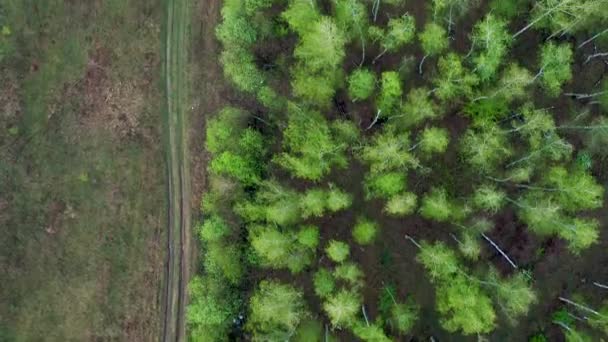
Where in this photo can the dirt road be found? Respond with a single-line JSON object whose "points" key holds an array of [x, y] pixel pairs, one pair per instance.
{"points": [[175, 76]]}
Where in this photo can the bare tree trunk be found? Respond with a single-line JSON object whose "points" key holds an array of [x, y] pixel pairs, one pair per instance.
{"points": [[364, 315], [413, 241], [375, 120], [595, 55], [580, 306], [591, 39], [499, 250], [420, 65]]}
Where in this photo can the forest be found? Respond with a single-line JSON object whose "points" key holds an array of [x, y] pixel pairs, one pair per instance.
{"points": [[406, 170]]}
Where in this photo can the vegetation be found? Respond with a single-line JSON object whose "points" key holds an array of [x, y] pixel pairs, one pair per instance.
{"points": [[480, 157]]}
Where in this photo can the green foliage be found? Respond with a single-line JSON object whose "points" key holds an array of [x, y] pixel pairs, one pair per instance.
{"points": [[324, 283], [222, 128], [224, 259], [597, 138], [486, 149], [434, 140], [600, 322], [322, 46], [540, 337], [342, 308], [370, 332], [317, 88], [213, 229], [349, 272], [275, 311], [389, 99], [568, 16], [385, 185], [514, 294], [433, 39], [337, 251], [338, 200], [351, 17], [489, 198], [365, 231], [308, 236], [401, 204], [211, 309], [440, 261], [361, 84], [469, 245], [236, 29], [400, 31], [465, 307], [555, 61], [273, 203], [309, 148], [240, 68], [309, 331], [437, 206], [404, 316], [388, 151], [491, 39], [313, 203], [453, 80], [284, 248], [300, 14], [577, 190], [418, 107]]}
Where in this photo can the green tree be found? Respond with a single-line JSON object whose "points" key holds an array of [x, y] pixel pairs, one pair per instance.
{"points": [[433, 41], [370, 332], [576, 190], [388, 151], [309, 149], [434, 140], [514, 294], [566, 16], [313, 203], [418, 107], [361, 84], [439, 260], [324, 283], [222, 128], [384, 185], [489, 198], [491, 39], [437, 206], [308, 236], [240, 68], [469, 245], [555, 61], [337, 251], [389, 100], [351, 18], [213, 229], [224, 259], [349, 272], [342, 308], [365, 231], [400, 31], [321, 47], [300, 14], [453, 79], [338, 200], [401, 204], [485, 149], [316, 88], [275, 311]]}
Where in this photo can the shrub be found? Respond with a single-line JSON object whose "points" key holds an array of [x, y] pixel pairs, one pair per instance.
{"points": [[224, 259], [313, 203], [361, 84], [350, 273], [365, 231], [213, 229], [308, 236], [487, 197], [436, 205], [337, 251], [338, 200], [385, 185]]}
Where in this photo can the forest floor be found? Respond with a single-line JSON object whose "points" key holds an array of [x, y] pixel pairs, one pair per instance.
{"points": [[177, 47]]}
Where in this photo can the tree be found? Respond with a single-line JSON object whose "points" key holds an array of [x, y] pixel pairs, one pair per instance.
{"points": [[351, 18], [389, 99], [309, 149], [299, 14], [388, 151], [566, 16], [469, 246], [211, 309], [433, 41], [361, 84], [384, 185], [491, 40], [224, 259], [278, 248], [275, 311], [576, 190], [437, 206], [236, 29], [240, 68], [244, 164], [313, 203], [555, 61], [440, 261], [370, 332], [342, 308], [514, 294], [417, 108], [316, 88], [324, 283], [453, 80], [485, 149], [434, 140], [213, 229], [272, 203], [322, 47], [465, 307], [400, 31], [401, 204], [488, 197], [338, 200], [222, 128], [308, 236], [349, 272], [337, 251], [365, 231]]}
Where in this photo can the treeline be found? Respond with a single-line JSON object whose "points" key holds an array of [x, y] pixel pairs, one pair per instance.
{"points": [[513, 155]]}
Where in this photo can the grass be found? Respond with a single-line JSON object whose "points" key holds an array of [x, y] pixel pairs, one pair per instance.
{"points": [[81, 250]]}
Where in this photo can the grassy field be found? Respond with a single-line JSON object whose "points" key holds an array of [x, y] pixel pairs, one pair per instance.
{"points": [[81, 170]]}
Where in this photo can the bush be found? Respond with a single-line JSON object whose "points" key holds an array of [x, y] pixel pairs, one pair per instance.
{"points": [[488, 198], [436, 205], [434, 140], [213, 229], [350, 273], [324, 283], [224, 259], [385, 185], [365, 231], [337, 251], [343, 308], [308, 236], [361, 84]]}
